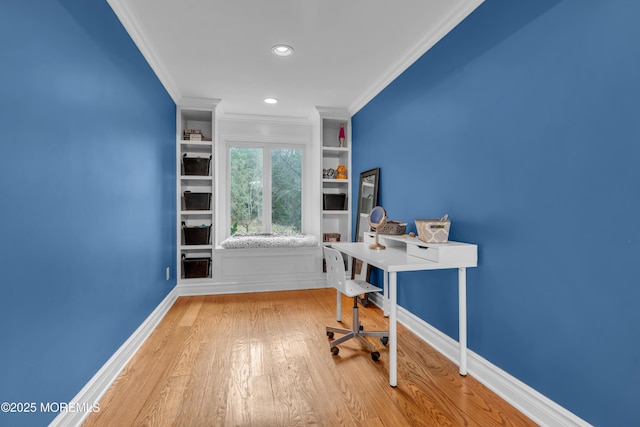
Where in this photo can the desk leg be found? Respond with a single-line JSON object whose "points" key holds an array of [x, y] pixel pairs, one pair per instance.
{"points": [[385, 299], [393, 332], [338, 306], [462, 318]]}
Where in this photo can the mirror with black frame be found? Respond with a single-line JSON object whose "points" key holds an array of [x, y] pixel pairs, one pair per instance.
{"points": [[367, 200]]}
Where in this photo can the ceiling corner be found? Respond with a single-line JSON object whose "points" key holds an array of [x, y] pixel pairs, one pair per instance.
{"points": [[414, 52], [133, 28]]}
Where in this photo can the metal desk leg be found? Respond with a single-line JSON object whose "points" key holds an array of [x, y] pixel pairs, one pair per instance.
{"points": [[462, 318], [338, 306], [393, 343], [385, 299]]}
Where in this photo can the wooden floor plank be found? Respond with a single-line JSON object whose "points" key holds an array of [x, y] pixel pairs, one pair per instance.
{"points": [[263, 359]]}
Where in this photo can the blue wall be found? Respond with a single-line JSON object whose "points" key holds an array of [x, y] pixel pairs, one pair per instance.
{"points": [[523, 125], [87, 190]]}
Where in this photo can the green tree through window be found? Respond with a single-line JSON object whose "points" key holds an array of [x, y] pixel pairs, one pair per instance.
{"points": [[246, 189], [286, 190]]}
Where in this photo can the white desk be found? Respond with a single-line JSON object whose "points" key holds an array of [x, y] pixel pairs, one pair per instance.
{"points": [[395, 259]]}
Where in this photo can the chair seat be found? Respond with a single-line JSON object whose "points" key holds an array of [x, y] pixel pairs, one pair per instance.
{"points": [[358, 287]]}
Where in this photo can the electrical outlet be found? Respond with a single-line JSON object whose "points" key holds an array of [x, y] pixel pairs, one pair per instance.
{"points": [[168, 273]]}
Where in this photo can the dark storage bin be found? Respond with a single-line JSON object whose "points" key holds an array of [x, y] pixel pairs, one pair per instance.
{"points": [[197, 201], [330, 237], [193, 268], [196, 235], [196, 165], [334, 202]]}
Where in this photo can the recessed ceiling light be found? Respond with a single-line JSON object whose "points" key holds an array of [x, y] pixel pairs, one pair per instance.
{"points": [[271, 100], [282, 50]]}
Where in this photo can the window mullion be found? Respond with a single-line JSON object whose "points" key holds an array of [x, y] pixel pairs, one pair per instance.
{"points": [[266, 190]]}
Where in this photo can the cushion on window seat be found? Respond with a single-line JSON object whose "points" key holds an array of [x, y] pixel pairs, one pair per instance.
{"points": [[268, 240]]}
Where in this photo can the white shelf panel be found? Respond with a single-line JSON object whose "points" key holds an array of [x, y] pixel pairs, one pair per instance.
{"points": [[196, 247], [335, 181], [196, 148], [197, 220], [198, 187], [196, 212], [196, 144], [339, 150], [336, 212], [197, 178], [198, 281]]}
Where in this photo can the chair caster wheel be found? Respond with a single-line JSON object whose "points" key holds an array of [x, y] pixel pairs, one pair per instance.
{"points": [[335, 351], [330, 335], [375, 356], [384, 340]]}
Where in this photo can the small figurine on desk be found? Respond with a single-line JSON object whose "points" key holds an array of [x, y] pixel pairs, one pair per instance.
{"points": [[341, 135]]}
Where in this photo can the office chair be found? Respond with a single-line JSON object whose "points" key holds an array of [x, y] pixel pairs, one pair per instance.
{"points": [[336, 277]]}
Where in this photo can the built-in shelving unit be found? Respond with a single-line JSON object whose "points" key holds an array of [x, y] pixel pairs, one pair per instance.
{"points": [[195, 191], [336, 173]]}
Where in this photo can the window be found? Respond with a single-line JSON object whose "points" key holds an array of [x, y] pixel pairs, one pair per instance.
{"points": [[265, 189]]}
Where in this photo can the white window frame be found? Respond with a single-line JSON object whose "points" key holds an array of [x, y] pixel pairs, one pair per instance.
{"points": [[266, 146]]}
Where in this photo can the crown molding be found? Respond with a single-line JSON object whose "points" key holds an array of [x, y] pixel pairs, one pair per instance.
{"points": [[456, 16], [260, 118], [195, 102], [333, 112], [133, 28]]}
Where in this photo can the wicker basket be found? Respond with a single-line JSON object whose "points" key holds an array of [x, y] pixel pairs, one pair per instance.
{"points": [[195, 267], [196, 165], [197, 201], [330, 237], [433, 230], [198, 235], [395, 228]]}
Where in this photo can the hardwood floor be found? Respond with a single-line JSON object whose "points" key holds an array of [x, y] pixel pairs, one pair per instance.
{"points": [[263, 359]]}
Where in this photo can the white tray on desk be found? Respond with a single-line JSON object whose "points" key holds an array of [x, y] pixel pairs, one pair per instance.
{"points": [[436, 252]]}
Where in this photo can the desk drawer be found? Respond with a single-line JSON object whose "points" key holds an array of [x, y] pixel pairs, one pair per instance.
{"points": [[445, 252], [384, 239]]}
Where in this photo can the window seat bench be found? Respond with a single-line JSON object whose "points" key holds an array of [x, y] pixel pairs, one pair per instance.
{"points": [[257, 263]]}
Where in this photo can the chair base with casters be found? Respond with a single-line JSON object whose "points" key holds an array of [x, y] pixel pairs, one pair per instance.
{"points": [[336, 277]]}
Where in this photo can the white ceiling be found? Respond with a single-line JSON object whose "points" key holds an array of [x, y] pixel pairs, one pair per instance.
{"points": [[346, 51]]}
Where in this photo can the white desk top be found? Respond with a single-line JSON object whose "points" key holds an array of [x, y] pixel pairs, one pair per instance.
{"points": [[395, 258]]}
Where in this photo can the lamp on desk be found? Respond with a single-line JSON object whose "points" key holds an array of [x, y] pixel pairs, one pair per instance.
{"points": [[377, 218]]}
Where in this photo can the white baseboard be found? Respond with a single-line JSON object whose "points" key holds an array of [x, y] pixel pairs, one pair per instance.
{"points": [[236, 287], [540, 409], [102, 380]]}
